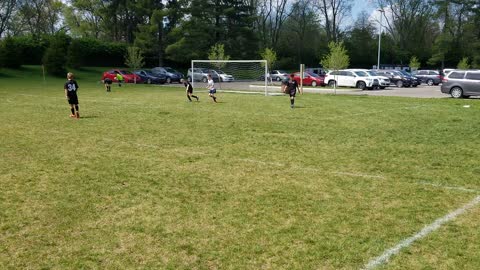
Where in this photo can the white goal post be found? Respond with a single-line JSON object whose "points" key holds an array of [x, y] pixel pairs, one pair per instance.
{"points": [[241, 75]]}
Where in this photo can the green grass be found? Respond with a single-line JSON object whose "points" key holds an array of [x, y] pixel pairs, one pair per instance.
{"points": [[147, 180]]}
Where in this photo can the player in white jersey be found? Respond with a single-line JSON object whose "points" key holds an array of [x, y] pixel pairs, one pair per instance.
{"points": [[211, 88]]}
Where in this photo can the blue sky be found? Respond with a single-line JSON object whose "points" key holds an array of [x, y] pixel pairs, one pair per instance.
{"points": [[360, 5]]}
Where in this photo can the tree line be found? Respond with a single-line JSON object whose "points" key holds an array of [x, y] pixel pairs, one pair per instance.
{"points": [[437, 33]]}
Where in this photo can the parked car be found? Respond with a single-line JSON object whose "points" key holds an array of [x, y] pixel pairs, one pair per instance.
{"points": [[319, 71], [278, 75], [430, 77], [309, 79], [275, 75], [383, 81], [415, 80], [446, 71], [462, 83], [224, 77], [149, 77], [128, 77], [171, 74], [349, 78], [396, 77], [200, 74]]}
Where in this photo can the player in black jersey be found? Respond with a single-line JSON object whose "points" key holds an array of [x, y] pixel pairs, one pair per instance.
{"points": [[108, 84], [189, 90], [290, 87], [71, 88]]}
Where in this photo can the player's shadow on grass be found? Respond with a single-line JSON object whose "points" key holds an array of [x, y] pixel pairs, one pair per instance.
{"points": [[88, 117]]}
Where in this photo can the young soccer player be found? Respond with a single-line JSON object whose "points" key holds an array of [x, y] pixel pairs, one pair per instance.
{"points": [[211, 88], [119, 78], [71, 88], [189, 90], [108, 84], [292, 88]]}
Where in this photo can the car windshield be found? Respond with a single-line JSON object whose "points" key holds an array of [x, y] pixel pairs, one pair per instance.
{"points": [[205, 70], [171, 70], [372, 73], [148, 72], [282, 72], [361, 73], [125, 72], [405, 73], [312, 74], [220, 72]]}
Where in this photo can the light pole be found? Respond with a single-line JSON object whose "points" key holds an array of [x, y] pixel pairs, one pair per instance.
{"points": [[380, 37]]}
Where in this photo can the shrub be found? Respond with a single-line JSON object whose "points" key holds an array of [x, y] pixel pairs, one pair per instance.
{"points": [[10, 53], [55, 58]]}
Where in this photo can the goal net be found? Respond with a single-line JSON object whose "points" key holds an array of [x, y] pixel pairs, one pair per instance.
{"points": [[230, 75]]}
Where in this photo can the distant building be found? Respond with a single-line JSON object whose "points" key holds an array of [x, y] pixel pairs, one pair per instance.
{"points": [[392, 66]]}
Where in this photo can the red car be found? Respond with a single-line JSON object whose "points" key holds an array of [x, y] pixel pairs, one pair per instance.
{"points": [[309, 78], [128, 77]]}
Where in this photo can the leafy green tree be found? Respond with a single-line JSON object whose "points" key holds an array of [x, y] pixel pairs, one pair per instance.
{"points": [[301, 36], [337, 58], [217, 52], [463, 64], [361, 42], [229, 22], [150, 37], [411, 26], [271, 57], [134, 59], [414, 63], [38, 17]]}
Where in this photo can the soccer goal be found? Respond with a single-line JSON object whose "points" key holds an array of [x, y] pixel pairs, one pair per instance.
{"points": [[249, 76]]}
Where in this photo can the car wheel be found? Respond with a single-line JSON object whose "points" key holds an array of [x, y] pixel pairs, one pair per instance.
{"points": [[204, 79], [430, 82], [456, 92], [331, 83], [314, 83], [399, 83], [382, 87], [189, 79], [278, 79], [169, 80], [361, 85]]}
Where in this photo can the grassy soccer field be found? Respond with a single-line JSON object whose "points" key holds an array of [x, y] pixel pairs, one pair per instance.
{"points": [[147, 180]]}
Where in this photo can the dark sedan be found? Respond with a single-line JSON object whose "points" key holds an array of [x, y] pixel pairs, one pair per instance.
{"points": [[148, 77]]}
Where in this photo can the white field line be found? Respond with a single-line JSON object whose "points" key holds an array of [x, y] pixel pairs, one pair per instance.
{"points": [[360, 175], [382, 259], [448, 187]]}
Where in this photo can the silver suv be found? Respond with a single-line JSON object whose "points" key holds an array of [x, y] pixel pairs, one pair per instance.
{"points": [[462, 83], [200, 74]]}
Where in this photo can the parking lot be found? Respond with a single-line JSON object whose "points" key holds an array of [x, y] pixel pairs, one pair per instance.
{"points": [[421, 91]]}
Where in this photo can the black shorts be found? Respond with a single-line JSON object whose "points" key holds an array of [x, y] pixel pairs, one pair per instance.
{"points": [[73, 99], [292, 93], [108, 82], [189, 91]]}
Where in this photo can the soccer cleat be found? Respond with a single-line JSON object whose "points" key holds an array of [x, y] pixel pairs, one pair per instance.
{"points": [[72, 115], [198, 98], [291, 106], [78, 115]]}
